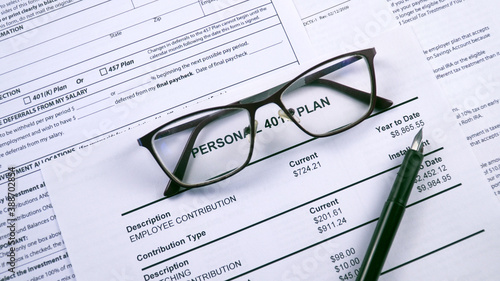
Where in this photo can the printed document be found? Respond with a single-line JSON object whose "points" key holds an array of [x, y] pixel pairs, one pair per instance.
{"points": [[75, 73], [460, 40], [286, 219]]}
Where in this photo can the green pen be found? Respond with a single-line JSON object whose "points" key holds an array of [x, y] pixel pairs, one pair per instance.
{"points": [[392, 213]]}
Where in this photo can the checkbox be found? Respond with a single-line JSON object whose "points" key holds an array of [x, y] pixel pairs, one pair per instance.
{"points": [[27, 100], [103, 71]]}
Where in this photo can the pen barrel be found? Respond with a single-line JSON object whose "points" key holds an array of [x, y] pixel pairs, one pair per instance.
{"points": [[390, 218], [381, 242], [405, 179]]}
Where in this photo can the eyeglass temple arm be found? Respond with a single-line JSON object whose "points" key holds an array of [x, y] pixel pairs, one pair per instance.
{"points": [[315, 78], [380, 102]]}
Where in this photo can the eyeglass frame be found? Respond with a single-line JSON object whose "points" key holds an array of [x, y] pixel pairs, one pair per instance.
{"points": [[176, 186]]}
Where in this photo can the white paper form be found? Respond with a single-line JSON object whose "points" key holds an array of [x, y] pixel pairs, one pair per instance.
{"points": [[464, 52], [460, 39], [279, 220], [75, 73]]}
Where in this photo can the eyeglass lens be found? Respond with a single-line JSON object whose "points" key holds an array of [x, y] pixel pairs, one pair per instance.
{"points": [[330, 102], [206, 145]]}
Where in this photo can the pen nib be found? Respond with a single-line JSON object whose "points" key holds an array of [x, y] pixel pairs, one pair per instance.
{"points": [[417, 142]]}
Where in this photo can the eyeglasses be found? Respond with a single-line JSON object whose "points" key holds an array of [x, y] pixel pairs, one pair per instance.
{"points": [[211, 145]]}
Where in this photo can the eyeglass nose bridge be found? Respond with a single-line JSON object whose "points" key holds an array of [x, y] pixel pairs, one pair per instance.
{"points": [[291, 112]]}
